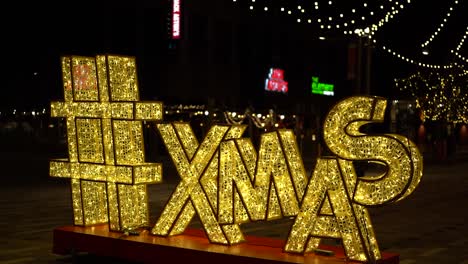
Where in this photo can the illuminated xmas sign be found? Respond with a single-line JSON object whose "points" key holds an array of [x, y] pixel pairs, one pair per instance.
{"points": [[176, 19], [275, 81], [225, 180], [322, 88]]}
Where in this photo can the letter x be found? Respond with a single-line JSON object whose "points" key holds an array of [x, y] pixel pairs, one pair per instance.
{"points": [[193, 161]]}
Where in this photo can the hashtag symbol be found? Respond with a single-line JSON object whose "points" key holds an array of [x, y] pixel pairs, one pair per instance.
{"points": [[106, 160]]}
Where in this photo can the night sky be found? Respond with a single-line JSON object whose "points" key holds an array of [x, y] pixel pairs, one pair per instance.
{"points": [[34, 38]]}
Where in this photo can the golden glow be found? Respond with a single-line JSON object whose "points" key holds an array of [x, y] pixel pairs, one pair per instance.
{"points": [[102, 133], [225, 181]]}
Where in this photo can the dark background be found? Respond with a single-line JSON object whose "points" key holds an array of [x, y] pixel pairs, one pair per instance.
{"points": [[225, 52]]}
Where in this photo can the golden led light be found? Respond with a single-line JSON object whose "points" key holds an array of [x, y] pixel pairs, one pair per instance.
{"points": [[412, 61], [225, 181], [441, 25], [197, 165], [423, 45], [460, 44], [392, 9], [105, 141]]}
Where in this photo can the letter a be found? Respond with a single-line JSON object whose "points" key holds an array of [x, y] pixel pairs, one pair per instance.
{"points": [[326, 211]]}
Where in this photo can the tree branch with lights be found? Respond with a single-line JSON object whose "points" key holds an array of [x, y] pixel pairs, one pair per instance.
{"points": [[440, 95]]}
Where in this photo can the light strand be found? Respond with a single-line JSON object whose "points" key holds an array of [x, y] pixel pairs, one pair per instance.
{"points": [[384, 20], [348, 23], [440, 27], [414, 61], [439, 95]]}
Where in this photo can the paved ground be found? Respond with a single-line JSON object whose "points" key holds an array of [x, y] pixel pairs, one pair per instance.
{"points": [[428, 227]]}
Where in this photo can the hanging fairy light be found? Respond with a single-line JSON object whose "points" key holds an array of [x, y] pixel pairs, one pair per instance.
{"points": [[364, 20], [440, 27], [312, 14], [408, 59], [385, 19], [411, 60]]}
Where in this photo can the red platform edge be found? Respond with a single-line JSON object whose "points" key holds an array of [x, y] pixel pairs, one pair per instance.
{"points": [[192, 246]]}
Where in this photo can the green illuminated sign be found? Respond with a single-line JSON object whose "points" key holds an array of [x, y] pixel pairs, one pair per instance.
{"points": [[322, 88]]}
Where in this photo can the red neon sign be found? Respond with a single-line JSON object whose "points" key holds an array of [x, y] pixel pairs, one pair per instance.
{"points": [[275, 81], [176, 19]]}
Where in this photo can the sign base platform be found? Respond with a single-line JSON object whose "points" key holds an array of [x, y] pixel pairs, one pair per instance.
{"points": [[190, 247]]}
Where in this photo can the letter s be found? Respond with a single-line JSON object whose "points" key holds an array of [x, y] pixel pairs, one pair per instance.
{"points": [[398, 153]]}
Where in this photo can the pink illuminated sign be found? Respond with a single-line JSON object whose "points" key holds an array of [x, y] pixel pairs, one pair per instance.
{"points": [[176, 19], [275, 81]]}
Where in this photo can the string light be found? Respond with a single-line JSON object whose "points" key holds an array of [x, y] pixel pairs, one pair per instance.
{"points": [[259, 120], [388, 17], [366, 21], [439, 28], [439, 95], [224, 180], [459, 46], [341, 21], [413, 61]]}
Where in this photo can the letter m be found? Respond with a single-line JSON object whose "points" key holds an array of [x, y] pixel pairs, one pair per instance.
{"points": [[262, 186]]}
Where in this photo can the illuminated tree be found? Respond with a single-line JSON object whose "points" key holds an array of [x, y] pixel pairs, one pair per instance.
{"points": [[440, 95]]}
